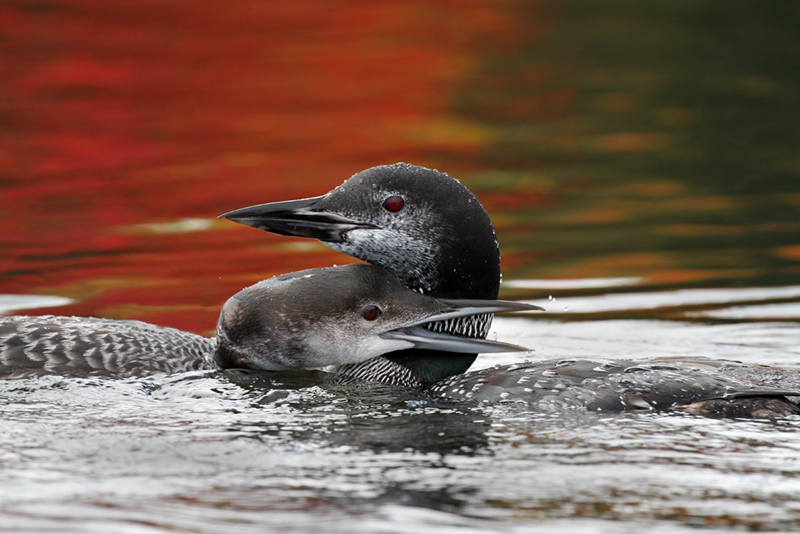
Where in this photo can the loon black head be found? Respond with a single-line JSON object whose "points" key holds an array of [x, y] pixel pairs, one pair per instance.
{"points": [[337, 316], [419, 224]]}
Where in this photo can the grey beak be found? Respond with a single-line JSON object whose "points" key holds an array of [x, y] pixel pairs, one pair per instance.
{"points": [[426, 339], [297, 218], [423, 338]]}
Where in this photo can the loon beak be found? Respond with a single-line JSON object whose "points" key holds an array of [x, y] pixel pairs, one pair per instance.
{"points": [[297, 218], [423, 338]]}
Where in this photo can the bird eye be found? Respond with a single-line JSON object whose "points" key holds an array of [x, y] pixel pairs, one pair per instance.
{"points": [[370, 313], [393, 203]]}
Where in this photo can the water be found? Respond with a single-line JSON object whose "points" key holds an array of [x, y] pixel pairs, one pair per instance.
{"points": [[210, 453], [638, 160]]}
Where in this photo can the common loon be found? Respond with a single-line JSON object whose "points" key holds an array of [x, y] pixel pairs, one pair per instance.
{"points": [[430, 231], [301, 320]]}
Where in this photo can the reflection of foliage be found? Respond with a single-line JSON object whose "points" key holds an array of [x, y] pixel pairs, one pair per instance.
{"points": [[706, 93], [669, 129]]}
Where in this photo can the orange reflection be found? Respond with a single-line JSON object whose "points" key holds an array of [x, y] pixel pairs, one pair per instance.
{"points": [[114, 116]]}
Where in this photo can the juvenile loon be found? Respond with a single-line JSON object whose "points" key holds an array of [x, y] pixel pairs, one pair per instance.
{"points": [[431, 232], [307, 319]]}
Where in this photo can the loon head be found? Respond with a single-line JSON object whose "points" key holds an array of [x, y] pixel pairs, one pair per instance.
{"points": [[419, 224], [337, 316]]}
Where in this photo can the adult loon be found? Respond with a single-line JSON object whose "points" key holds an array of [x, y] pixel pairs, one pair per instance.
{"points": [[431, 232], [301, 320]]}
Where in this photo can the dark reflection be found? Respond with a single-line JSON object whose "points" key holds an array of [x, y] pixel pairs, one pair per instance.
{"points": [[445, 499], [376, 425], [366, 416], [258, 381]]}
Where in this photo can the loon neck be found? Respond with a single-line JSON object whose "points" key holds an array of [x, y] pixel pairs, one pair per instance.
{"points": [[424, 369], [412, 368], [461, 273]]}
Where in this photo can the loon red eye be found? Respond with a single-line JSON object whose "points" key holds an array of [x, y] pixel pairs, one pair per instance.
{"points": [[370, 313], [394, 203]]}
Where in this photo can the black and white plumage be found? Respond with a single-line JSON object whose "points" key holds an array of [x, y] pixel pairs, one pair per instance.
{"points": [[432, 233], [86, 346], [698, 385], [307, 319]]}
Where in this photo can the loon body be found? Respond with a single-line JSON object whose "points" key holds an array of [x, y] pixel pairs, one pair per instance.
{"points": [[307, 319], [86, 346], [697, 385], [432, 233]]}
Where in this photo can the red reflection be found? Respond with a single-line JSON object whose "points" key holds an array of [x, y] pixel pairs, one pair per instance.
{"points": [[114, 115]]}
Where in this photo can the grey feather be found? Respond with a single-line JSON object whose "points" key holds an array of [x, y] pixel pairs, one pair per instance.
{"points": [[84, 346]]}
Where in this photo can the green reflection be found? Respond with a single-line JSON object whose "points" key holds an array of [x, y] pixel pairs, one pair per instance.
{"points": [[656, 139]]}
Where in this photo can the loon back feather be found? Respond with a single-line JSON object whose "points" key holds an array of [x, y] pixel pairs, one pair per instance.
{"points": [[85, 346]]}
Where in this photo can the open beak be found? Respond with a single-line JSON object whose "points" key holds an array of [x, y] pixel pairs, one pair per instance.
{"points": [[297, 218], [423, 338]]}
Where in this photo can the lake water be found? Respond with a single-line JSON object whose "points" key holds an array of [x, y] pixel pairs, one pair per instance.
{"points": [[639, 160]]}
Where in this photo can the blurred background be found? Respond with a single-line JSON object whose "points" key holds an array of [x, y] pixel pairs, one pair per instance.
{"points": [[652, 143]]}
